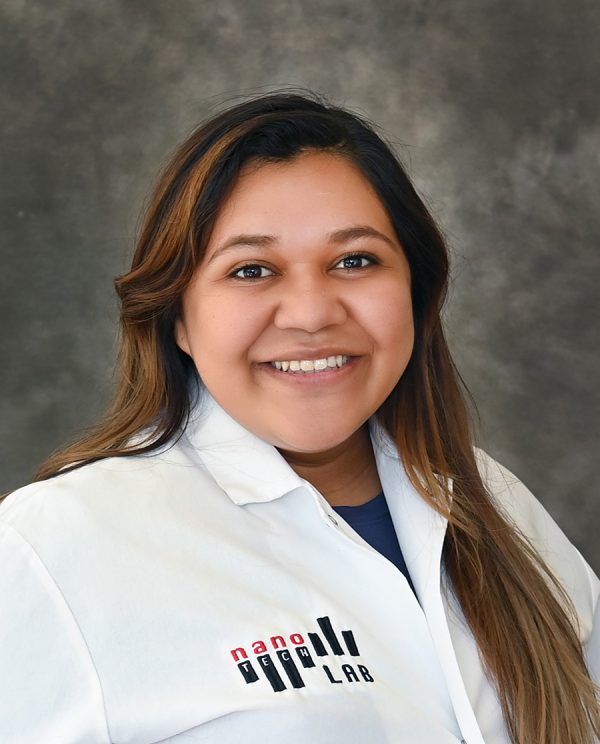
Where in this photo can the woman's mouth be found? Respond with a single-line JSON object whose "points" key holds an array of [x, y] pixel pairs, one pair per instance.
{"points": [[310, 366]]}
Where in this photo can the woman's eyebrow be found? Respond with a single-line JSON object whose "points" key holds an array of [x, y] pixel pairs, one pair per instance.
{"points": [[355, 232], [343, 235], [243, 241]]}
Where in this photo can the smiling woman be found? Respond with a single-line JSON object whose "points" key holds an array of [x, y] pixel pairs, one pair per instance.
{"points": [[282, 530]]}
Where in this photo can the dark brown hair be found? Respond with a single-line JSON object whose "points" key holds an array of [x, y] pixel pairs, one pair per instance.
{"points": [[519, 615]]}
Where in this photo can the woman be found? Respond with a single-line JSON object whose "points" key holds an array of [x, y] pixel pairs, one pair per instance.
{"points": [[282, 531]]}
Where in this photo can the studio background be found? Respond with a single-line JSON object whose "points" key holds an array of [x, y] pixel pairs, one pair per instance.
{"points": [[493, 107]]}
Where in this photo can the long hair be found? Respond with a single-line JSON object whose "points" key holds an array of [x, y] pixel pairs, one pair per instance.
{"points": [[519, 615]]}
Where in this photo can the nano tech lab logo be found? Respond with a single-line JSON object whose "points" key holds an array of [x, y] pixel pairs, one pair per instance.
{"points": [[266, 662]]}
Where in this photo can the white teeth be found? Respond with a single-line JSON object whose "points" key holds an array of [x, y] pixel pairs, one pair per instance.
{"points": [[311, 365]]}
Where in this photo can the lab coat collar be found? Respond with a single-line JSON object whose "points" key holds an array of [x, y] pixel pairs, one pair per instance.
{"points": [[251, 470], [246, 467]]}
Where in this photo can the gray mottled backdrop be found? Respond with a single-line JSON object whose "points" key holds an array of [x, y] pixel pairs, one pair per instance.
{"points": [[494, 107]]}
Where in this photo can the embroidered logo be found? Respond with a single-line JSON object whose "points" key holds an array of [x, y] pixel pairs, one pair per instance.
{"points": [[266, 662]]}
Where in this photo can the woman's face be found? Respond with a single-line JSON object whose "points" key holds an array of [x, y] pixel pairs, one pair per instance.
{"points": [[299, 317]]}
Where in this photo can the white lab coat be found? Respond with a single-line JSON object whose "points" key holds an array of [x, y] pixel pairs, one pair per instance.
{"points": [[170, 597]]}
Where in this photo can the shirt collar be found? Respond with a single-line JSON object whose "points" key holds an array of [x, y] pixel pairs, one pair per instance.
{"points": [[246, 467]]}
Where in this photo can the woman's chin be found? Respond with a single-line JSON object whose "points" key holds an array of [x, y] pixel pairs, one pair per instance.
{"points": [[315, 443]]}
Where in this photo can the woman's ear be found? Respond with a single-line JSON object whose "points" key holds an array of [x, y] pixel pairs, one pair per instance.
{"points": [[181, 337]]}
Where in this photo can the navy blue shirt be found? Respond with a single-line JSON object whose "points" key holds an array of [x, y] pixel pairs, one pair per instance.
{"points": [[373, 522]]}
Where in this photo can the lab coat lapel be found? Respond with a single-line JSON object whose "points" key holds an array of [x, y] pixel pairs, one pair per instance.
{"points": [[421, 531]]}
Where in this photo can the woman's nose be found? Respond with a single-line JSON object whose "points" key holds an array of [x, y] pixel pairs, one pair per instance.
{"points": [[309, 304]]}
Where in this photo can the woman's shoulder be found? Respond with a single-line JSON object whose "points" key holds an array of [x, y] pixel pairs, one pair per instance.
{"points": [[539, 528], [101, 495], [519, 504], [511, 495]]}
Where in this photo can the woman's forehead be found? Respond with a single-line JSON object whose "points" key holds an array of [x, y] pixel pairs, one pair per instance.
{"points": [[315, 193]]}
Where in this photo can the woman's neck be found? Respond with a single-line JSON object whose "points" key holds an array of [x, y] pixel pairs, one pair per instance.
{"points": [[346, 475]]}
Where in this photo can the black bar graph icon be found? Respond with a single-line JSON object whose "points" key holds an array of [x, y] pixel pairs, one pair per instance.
{"points": [[305, 658], [317, 643], [290, 668], [271, 672], [329, 633], [248, 672], [348, 637]]}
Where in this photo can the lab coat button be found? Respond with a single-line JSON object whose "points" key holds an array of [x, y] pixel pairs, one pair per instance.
{"points": [[333, 519]]}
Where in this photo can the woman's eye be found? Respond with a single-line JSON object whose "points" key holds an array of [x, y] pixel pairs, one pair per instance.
{"points": [[252, 271], [355, 261]]}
